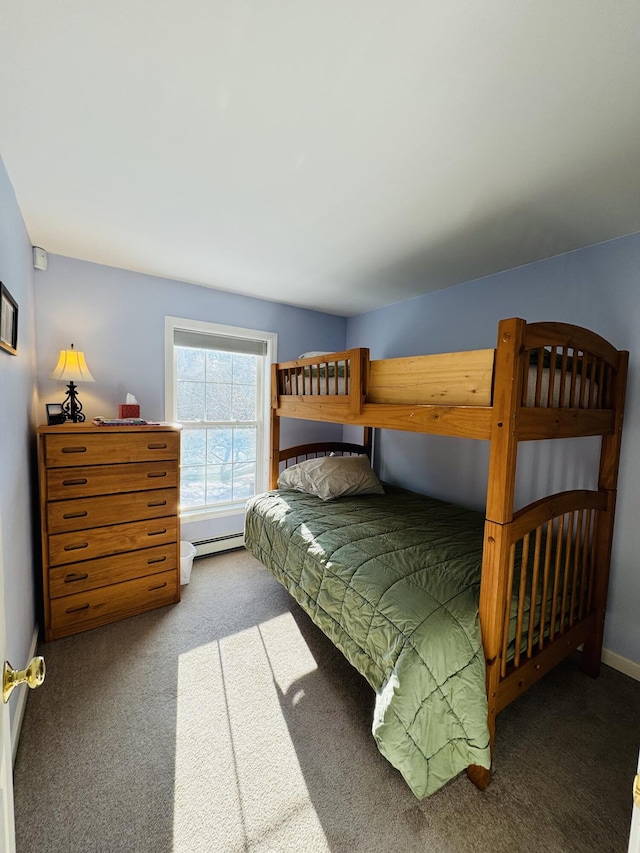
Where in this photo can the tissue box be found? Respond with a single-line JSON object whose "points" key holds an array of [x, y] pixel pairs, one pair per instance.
{"points": [[128, 410]]}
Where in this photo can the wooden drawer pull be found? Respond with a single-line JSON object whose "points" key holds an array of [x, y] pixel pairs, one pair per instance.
{"points": [[78, 546], [78, 481], [157, 446], [75, 576], [153, 560], [74, 449], [157, 586], [77, 609], [156, 474], [80, 514], [157, 532], [156, 503]]}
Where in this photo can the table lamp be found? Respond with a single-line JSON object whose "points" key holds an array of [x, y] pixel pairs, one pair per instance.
{"points": [[72, 368]]}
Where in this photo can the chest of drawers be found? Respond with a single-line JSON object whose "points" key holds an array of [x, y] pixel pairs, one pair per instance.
{"points": [[110, 525]]}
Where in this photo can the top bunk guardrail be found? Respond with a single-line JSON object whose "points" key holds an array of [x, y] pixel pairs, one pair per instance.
{"points": [[557, 366]]}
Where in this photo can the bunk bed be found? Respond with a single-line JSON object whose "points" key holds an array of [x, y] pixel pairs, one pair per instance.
{"points": [[529, 585]]}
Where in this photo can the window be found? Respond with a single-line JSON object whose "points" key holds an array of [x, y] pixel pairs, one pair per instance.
{"points": [[217, 389]]}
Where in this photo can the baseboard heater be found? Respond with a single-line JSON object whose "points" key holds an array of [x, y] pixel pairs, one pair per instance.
{"points": [[219, 543]]}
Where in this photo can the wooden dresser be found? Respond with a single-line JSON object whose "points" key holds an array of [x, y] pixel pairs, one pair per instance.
{"points": [[110, 526]]}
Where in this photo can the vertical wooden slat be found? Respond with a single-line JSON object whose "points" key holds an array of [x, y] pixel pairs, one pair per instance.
{"points": [[507, 611], [586, 555], [539, 375], [567, 571], [552, 377], [592, 382], [556, 577], [574, 375], [526, 368], [545, 584], [592, 565], [534, 591], [521, 596], [583, 379], [601, 380], [577, 550], [563, 379]]}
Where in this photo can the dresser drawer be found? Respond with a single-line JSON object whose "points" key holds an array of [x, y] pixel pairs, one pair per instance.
{"points": [[96, 607], [82, 513], [103, 448], [88, 480], [91, 574], [116, 539]]}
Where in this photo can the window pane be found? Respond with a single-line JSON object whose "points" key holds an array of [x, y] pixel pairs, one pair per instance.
{"points": [[190, 363], [244, 403], [244, 480], [190, 396], [219, 366], [194, 442], [192, 486], [219, 444], [244, 368], [244, 444], [218, 401], [219, 486]]}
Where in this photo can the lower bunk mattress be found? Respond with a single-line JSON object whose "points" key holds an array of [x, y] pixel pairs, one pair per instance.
{"points": [[393, 580]]}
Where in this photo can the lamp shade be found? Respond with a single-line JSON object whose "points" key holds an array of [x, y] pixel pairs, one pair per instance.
{"points": [[72, 367]]}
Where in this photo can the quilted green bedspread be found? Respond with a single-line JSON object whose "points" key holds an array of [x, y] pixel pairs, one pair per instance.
{"points": [[393, 580]]}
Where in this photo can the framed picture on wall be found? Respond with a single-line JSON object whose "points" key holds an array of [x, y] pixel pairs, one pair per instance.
{"points": [[8, 321]]}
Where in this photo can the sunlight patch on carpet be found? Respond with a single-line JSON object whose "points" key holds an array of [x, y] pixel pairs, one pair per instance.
{"points": [[238, 780]]}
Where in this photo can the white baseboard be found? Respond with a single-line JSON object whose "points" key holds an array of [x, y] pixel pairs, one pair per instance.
{"points": [[624, 665], [23, 695], [221, 543]]}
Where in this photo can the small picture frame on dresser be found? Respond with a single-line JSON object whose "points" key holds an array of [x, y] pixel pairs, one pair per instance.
{"points": [[55, 415]]}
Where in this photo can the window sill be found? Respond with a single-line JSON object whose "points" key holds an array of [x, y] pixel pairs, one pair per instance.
{"points": [[206, 514]]}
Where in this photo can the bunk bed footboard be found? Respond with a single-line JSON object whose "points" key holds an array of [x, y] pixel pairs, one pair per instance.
{"points": [[549, 588]]}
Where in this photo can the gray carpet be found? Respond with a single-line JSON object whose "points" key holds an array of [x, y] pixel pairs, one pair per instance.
{"points": [[230, 723]]}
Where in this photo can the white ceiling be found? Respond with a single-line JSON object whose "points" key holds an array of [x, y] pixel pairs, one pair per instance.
{"points": [[334, 154]]}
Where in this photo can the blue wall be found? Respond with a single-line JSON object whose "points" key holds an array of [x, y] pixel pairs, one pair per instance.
{"points": [[18, 483], [117, 318], [597, 287]]}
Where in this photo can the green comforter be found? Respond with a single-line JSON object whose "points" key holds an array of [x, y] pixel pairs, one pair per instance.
{"points": [[393, 580]]}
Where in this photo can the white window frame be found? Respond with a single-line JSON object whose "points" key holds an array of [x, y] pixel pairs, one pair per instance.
{"points": [[263, 402]]}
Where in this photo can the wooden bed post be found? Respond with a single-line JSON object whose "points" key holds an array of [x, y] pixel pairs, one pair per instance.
{"points": [[507, 395], [603, 538], [274, 456], [367, 441]]}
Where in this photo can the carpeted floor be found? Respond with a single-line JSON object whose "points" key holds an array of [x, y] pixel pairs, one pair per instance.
{"points": [[230, 723]]}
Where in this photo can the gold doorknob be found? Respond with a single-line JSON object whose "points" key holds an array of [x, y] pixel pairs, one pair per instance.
{"points": [[33, 675], [636, 791]]}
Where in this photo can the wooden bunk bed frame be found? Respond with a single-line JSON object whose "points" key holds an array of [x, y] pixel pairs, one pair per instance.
{"points": [[542, 381]]}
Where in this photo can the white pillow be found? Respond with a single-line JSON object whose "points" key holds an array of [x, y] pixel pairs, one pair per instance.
{"points": [[332, 477], [314, 354]]}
